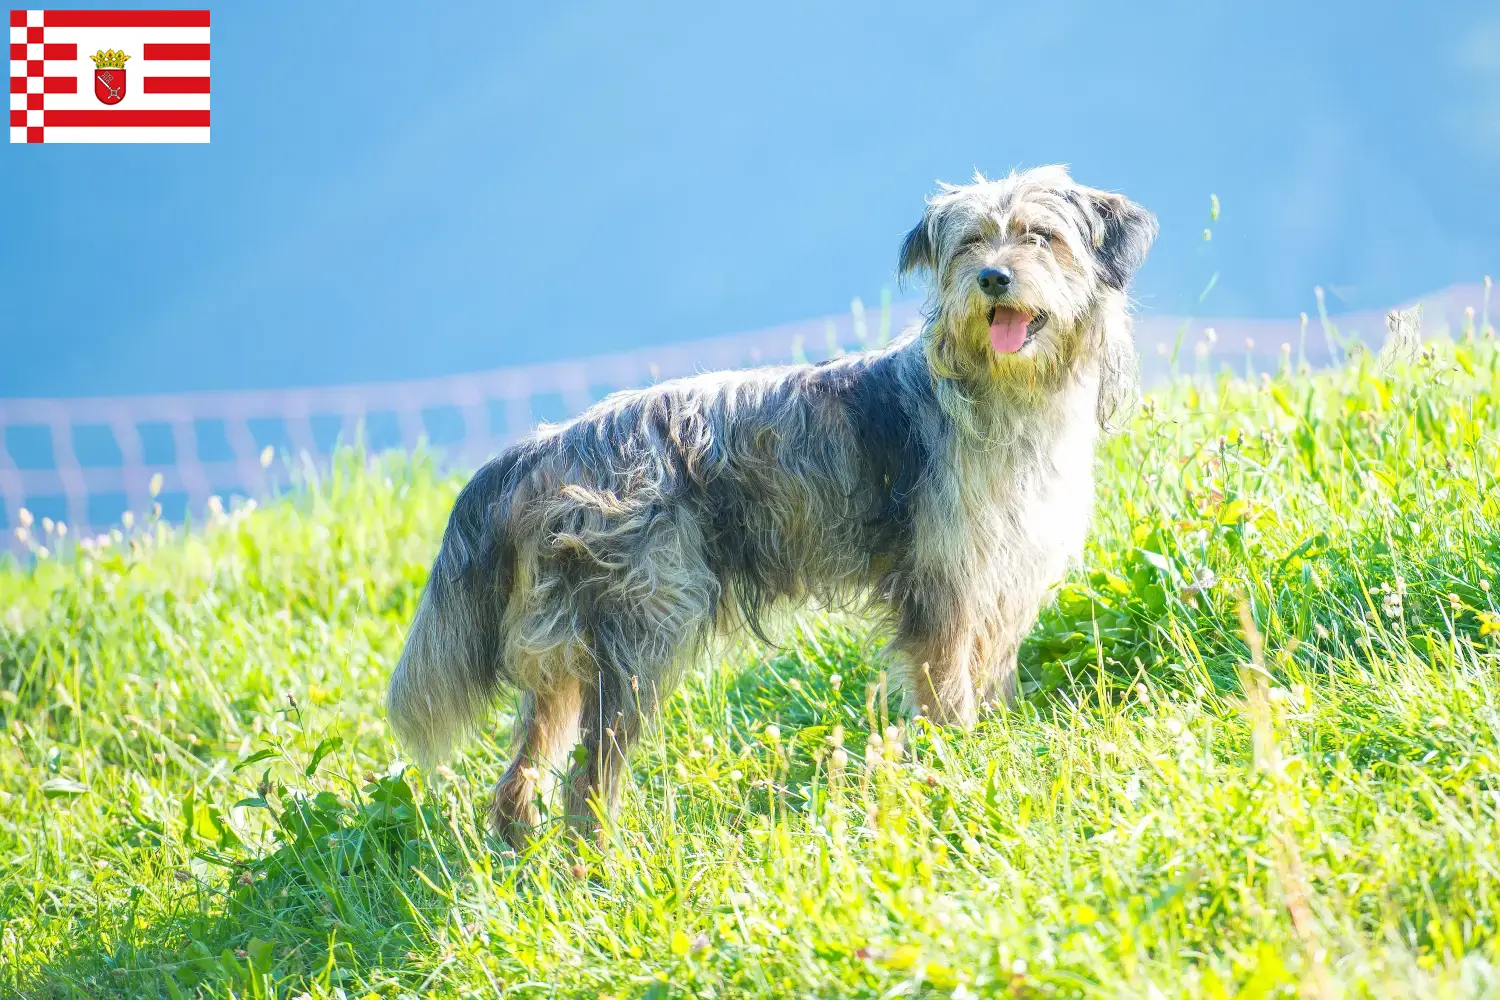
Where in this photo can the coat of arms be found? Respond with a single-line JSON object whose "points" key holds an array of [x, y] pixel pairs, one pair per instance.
{"points": [[109, 75]]}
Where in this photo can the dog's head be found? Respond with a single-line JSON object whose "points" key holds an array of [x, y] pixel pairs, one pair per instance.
{"points": [[1029, 274]]}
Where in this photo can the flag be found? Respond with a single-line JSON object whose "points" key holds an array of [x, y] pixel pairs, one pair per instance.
{"points": [[109, 76]]}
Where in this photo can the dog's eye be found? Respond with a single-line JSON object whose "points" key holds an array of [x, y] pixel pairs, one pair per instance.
{"points": [[1043, 240]]}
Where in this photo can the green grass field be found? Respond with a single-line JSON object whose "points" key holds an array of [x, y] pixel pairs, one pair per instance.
{"points": [[199, 795]]}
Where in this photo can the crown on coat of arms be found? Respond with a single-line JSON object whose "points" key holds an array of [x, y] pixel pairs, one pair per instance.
{"points": [[109, 59]]}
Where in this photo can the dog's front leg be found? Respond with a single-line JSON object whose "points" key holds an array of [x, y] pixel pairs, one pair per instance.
{"points": [[940, 676], [997, 646], [1000, 683]]}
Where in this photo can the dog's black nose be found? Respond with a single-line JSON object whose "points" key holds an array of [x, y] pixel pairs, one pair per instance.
{"points": [[994, 281]]}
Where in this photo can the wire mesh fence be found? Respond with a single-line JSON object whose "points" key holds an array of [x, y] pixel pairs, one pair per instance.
{"points": [[85, 462]]}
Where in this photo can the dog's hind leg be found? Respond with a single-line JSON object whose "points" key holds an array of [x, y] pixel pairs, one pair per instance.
{"points": [[615, 712], [546, 729], [642, 620]]}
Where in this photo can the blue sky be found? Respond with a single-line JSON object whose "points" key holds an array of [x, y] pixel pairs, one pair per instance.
{"points": [[397, 190]]}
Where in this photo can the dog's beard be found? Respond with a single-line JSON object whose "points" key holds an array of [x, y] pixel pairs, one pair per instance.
{"points": [[1014, 345], [1026, 341]]}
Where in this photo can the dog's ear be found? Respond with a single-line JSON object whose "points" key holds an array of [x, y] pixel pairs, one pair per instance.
{"points": [[917, 249], [1123, 233]]}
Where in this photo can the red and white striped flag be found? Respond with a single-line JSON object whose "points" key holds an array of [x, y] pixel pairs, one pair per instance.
{"points": [[109, 76]]}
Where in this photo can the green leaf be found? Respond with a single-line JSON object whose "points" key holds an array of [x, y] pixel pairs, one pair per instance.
{"points": [[54, 788], [260, 954], [205, 825], [1160, 562], [1234, 511], [205, 821], [230, 969], [323, 749], [257, 757]]}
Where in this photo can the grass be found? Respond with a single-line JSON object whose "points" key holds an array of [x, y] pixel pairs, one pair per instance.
{"points": [[199, 796]]}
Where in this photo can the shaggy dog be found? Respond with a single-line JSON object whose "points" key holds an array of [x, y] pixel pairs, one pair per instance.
{"points": [[944, 480]]}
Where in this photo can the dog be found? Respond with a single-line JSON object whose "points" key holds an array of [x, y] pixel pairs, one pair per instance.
{"points": [[942, 482]]}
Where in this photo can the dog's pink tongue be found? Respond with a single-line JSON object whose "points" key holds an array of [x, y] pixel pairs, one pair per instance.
{"points": [[1008, 329]]}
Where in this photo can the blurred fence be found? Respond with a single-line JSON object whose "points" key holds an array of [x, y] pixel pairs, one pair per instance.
{"points": [[86, 461]]}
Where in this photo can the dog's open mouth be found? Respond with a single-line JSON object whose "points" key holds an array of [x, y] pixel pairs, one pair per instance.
{"points": [[1012, 329]]}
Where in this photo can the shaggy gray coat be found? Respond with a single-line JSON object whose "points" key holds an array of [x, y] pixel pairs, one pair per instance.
{"points": [[945, 483]]}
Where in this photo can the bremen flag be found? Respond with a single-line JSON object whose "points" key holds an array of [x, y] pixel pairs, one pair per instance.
{"points": [[109, 76]]}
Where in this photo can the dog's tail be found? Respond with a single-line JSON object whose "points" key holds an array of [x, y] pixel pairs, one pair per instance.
{"points": [[451, 665]]}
